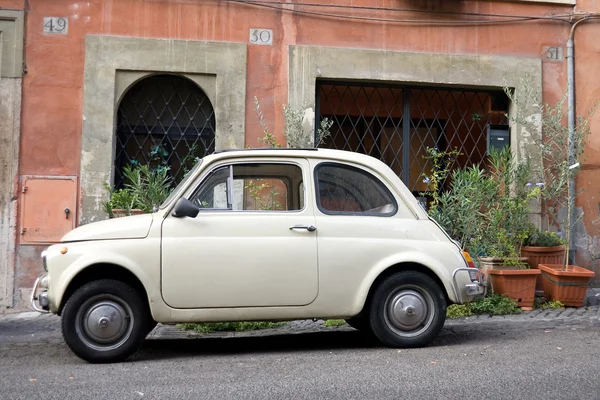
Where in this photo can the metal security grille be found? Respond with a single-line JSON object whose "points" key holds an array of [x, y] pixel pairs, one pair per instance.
{"points": [[397, 124], [164, 120]]}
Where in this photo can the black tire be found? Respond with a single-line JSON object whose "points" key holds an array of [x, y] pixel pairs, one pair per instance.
{"points": [[117, 321], [408, 309]]}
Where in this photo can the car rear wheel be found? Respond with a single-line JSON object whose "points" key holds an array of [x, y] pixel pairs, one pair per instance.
{"points": [[105, 321], [408, 309]]}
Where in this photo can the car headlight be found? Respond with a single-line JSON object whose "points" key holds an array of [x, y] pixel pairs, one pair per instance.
{"points": [[44, 260]]}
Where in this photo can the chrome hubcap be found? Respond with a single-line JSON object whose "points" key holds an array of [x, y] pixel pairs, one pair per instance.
{"points": [[104, 322], [409, 312]]}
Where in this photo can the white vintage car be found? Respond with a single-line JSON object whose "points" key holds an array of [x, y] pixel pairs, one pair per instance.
{"points": [[255, 235]]}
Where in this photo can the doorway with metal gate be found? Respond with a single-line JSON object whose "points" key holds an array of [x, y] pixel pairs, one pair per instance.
{"points": [[165, 121]]}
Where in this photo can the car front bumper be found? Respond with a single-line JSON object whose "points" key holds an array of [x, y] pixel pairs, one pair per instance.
{"points": [[39, 294], [476, 287]]}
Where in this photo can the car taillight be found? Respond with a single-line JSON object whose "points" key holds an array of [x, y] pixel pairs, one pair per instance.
{"points": [[471, 264]]}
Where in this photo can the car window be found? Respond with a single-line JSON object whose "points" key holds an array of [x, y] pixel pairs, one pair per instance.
{"points": [[213, 191], [252, 187], [342, 189]]}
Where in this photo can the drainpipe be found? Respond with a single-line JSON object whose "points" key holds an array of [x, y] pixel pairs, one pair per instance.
{"points": [[571, 126]]}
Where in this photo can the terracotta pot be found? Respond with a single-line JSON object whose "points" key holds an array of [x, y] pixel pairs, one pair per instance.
{"points": [[518, 284], [488, 263], [567, 285], [543, 255], [120, 212]]}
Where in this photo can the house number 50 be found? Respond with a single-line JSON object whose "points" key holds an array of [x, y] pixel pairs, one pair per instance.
{"points": [[261, 36]]}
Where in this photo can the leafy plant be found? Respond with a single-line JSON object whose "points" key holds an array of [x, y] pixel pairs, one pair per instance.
{"points": [[495, 304], [120, 199], [543, 238], [507, 218], [264, 193], [460, 210], [458, 311], [297, 133], [554, 305], [268, 139], [229, 326], [442, 162], [486, 211], [548, 305], [334, 322], [150, 186]]}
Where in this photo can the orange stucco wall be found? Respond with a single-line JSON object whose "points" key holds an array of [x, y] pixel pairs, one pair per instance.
{"points": [[52, 87]]}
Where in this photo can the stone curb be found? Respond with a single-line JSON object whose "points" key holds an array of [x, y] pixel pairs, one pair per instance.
{"points": [[561, 316], [565, 316]]}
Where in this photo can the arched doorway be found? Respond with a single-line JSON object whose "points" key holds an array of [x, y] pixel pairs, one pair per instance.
{"points": [[163, 120]]}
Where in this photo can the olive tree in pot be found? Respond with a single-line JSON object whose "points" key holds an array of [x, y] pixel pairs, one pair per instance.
{"points": [[561, 152], [506, 218]]}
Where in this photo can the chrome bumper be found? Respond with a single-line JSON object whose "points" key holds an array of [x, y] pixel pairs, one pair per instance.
{"points": [[40, 302], [475, 288]]}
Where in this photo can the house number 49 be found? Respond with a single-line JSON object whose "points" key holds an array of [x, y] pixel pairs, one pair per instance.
{"points": [[56, 25], [261, 36]]}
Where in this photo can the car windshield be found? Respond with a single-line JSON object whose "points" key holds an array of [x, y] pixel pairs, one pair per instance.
{"points": [[180, 185]]}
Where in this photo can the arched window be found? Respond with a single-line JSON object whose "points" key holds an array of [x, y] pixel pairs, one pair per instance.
{"points": [[163, 120]]}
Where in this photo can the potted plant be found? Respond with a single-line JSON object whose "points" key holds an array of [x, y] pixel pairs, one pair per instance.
{"points": [[506, 217], [150, 185], [561, 149], [487, 211], [121, 203], [543, 247], [145, 189]]}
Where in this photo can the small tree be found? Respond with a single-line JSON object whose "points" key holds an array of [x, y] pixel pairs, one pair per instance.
{"points": [[557, 164], [298, 130]]}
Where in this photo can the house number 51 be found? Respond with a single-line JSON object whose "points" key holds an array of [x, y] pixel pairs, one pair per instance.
{"points": [[261, 36]]}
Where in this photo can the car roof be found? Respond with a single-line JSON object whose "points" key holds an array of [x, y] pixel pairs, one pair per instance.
{"points": [[319, 153]]}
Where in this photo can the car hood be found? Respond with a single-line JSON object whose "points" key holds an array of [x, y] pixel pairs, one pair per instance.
{"points": [[132, 227]]}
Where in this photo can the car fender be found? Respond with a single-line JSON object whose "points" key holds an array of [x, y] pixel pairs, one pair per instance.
{"points": [[444, 273], [66, 268]]}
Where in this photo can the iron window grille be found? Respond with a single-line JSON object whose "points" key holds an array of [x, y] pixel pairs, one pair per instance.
{"points": [[398, 123]]}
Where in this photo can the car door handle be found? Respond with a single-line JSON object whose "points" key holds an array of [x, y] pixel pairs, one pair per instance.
{"points": [[309, 228]]}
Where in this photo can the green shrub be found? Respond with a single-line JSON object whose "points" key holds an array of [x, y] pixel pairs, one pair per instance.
{"points": [[543, 239], [494, 305], [229, 326], [458, 310], [553, 305], [335, 322]]}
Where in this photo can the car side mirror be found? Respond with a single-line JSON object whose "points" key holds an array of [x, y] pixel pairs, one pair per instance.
{"points": [[185, 208]]}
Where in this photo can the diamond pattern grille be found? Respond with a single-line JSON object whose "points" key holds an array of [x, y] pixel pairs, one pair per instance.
{"points": [[163, 120], [397, 124]]}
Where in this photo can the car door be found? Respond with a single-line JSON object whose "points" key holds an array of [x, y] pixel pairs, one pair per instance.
{"points": [[253, 243], [362, 223]]}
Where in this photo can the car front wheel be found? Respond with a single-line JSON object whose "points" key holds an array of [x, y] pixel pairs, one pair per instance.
{"points": [[105, 321], [408, 309]]}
